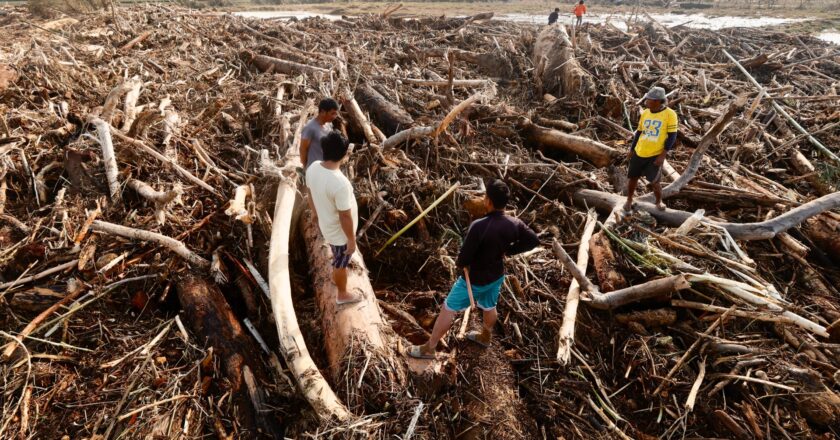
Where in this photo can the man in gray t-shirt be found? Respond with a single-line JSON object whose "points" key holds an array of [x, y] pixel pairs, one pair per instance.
{"points": [[315, 129]]}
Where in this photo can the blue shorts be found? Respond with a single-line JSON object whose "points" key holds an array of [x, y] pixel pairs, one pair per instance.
{"points": [[340, 261], [485, 296]]}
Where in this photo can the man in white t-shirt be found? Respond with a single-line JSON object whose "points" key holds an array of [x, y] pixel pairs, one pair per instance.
{"points": [[332, 200]]}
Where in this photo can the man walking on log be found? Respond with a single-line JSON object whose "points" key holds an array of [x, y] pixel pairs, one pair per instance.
{"points": [[552, 18], [331, 197], [489, 239], [655, 135], [315, 130], [579, 10]]}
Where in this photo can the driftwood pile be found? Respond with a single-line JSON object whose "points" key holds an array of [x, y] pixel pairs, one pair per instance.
{"points": [[159, 277]]}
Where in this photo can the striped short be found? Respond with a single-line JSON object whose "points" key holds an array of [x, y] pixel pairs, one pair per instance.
{"points": [[340, 261]]}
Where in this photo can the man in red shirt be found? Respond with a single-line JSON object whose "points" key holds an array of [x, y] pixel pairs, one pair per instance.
{"points": [[580, 9]]}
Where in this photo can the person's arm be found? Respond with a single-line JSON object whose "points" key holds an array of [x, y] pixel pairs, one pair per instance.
{"points": [[633, 143], [304, 151], [308, 195], [671, 140], [527, 240], [469, 248], [346, 219]]}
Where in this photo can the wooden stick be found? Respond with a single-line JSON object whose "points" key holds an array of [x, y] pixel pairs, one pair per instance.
{"points": [[692, 396], [690, 350], [569, 264], [138, 234], [566, 338], [76, 289], [165, 160], [757, 316], [38, 276], [103, 130], [419, 216]]}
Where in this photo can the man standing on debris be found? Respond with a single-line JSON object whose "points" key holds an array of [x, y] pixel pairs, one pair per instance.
{"points": [[655, 135], [331, 197], [580, 9], [552, 18], [314, 130], [489, 239]]}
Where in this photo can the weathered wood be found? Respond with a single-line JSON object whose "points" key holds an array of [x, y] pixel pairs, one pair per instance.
{"points": [[390, 117], [662, 287], [354, 334], [558, 69], [567, 329], [603, 258], [763, 230], [270, 64], [595, 152]]}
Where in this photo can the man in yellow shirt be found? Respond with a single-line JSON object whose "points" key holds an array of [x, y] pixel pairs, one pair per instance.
{"points": [[655, 135]]}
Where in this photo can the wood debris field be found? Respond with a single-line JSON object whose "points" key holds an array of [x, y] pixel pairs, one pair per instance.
{"points": [[160, 276]]}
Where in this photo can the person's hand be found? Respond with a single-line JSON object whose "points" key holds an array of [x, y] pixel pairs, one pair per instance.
{"points": [[338, 123], [659, 160], [351, 248]]}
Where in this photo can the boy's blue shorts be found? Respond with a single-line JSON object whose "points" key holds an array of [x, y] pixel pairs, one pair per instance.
{"points": [[485, 296]]}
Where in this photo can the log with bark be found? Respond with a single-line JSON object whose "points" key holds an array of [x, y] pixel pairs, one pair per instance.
{"points": [[359, 343], [210, 318], [390, 117], [595, 152]]}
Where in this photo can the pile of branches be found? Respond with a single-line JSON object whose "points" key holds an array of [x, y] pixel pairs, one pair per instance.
{"points": [[140, 151]]}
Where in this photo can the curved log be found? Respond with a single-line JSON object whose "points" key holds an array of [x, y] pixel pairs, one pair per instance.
{"points": [[595, 152], [743, 231]]}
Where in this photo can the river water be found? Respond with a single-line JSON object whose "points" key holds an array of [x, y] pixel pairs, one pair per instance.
{"points": [[699, 21]]}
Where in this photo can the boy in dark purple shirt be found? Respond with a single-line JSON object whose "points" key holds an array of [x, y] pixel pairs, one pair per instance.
{"points": [[488, 241]]}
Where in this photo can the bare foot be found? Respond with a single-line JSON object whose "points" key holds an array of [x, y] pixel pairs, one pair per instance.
{"points": [[660, 206], [347, 298], [628, 207]]}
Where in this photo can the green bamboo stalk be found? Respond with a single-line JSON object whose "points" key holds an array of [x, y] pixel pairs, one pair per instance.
{"points": [[417, 219]]}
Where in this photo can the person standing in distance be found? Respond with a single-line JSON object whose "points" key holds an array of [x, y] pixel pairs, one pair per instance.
{"points": [[580, 9], [331, 196], [552, 18]]}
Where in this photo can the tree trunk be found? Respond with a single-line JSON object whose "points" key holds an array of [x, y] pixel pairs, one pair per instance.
{"points": [[358, 340], [595, 152], [662, 287], [557, 68], [270, 64], [603, 258], [211, 319], [389, 117], [825, 233]]}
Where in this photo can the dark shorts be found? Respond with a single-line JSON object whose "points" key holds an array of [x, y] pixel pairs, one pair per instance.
{"points": [[340, 261], [644, 166]]}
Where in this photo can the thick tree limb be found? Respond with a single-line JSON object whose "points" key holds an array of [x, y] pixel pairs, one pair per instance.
{"points": [[595, 152], [742, 231], [138, 234], [103, 130], [567, 329]]}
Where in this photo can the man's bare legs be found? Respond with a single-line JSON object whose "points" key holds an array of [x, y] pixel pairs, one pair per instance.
{"points": [[442, 325], [657, 191], [339, 277], [631, 190], [489, 317]]}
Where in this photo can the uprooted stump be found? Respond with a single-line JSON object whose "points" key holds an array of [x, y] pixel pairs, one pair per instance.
{"points": [[557, 69], [593, 151]]}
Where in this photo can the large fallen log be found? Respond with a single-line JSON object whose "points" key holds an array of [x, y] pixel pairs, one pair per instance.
{"points": [[270, 64], [359, 342], [595, 152], [557, 69], [309, 380], [211, 319], [604, 261], [390, 117], [764, 230]]}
